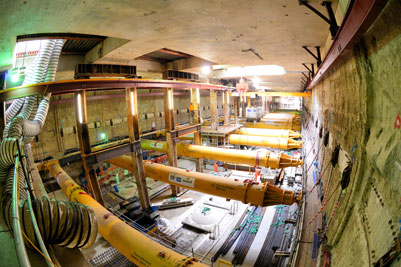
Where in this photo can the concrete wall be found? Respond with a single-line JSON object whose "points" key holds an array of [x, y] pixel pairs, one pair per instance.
{"points": [[358, 103], [59, 133]]}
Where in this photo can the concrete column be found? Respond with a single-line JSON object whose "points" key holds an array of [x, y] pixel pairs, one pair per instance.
{"points": [[134, 137], [84, 144], [195, 99], [170, 130], [226, 101], [213, 108]]}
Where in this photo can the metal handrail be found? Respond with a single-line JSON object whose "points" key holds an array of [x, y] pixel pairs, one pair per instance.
{"points": [[17, 232]]}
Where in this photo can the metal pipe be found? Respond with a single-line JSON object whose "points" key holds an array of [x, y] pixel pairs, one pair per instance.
{"points": [[134, 245], [253, 158], [273, 142], [270, 132], [254, 193], [18, 239]]}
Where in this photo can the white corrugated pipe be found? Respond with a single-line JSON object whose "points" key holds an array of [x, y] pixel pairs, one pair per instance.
{"points": [[63, 223], [34, 75]]}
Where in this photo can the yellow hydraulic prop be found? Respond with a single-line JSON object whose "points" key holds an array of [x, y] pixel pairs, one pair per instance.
{"points": [[252, 158], [265, 125], [269, 133], [134, 245], [246, 191], [273, 142]]}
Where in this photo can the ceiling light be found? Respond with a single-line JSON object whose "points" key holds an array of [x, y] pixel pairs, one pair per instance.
{"points": [[256, 81], [205, 69], [260, 70]]}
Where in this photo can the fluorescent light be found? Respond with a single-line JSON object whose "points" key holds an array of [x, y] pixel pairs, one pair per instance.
{"points": [[132, 104], [79, 103], [228, 99], [260, 70], [198, 96], [205, 69], [256, 81], [170, 99]]}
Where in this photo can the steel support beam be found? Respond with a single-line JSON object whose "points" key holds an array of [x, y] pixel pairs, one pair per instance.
{"points": [[300, 94], [213, 108], [226, 103], [136, 154], [243, 107], [170, 132], [236, 108], [84, 144], [195, 99]]}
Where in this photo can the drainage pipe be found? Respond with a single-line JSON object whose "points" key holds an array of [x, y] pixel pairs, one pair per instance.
{"points": [[273, 142], [246, 191], [252, 158], [134, 245], [269, 133]]}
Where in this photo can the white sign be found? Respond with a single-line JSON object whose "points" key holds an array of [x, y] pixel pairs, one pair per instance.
{"points": [[185, 181]]}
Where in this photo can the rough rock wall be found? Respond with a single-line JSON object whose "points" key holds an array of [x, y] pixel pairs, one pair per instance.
{"points": [[358, 103]]}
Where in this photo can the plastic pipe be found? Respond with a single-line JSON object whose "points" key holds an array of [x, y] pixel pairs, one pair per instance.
{"points": [[134, 245], [246, 191], [270, 132], [273, 142], [253, 158]]}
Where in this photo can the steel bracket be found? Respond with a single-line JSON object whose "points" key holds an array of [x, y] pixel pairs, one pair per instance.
{"points": [[318, 57], [331, 20]]}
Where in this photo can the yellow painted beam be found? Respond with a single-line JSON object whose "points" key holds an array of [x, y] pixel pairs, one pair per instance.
{"points": [[299, 94]]}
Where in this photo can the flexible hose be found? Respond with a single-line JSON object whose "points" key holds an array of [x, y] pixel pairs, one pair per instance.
{"points": [[63, 223], [66, 224]]}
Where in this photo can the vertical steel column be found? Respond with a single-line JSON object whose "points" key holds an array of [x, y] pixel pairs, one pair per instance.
{"points": [[243, 106], [170, 131], [236, 108], [195, 99], [213, 108], [226, 101], [135, 139], [84, 144]]}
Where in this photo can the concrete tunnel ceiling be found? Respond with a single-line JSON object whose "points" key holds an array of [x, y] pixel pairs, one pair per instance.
{"points": [[222, 32]]}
